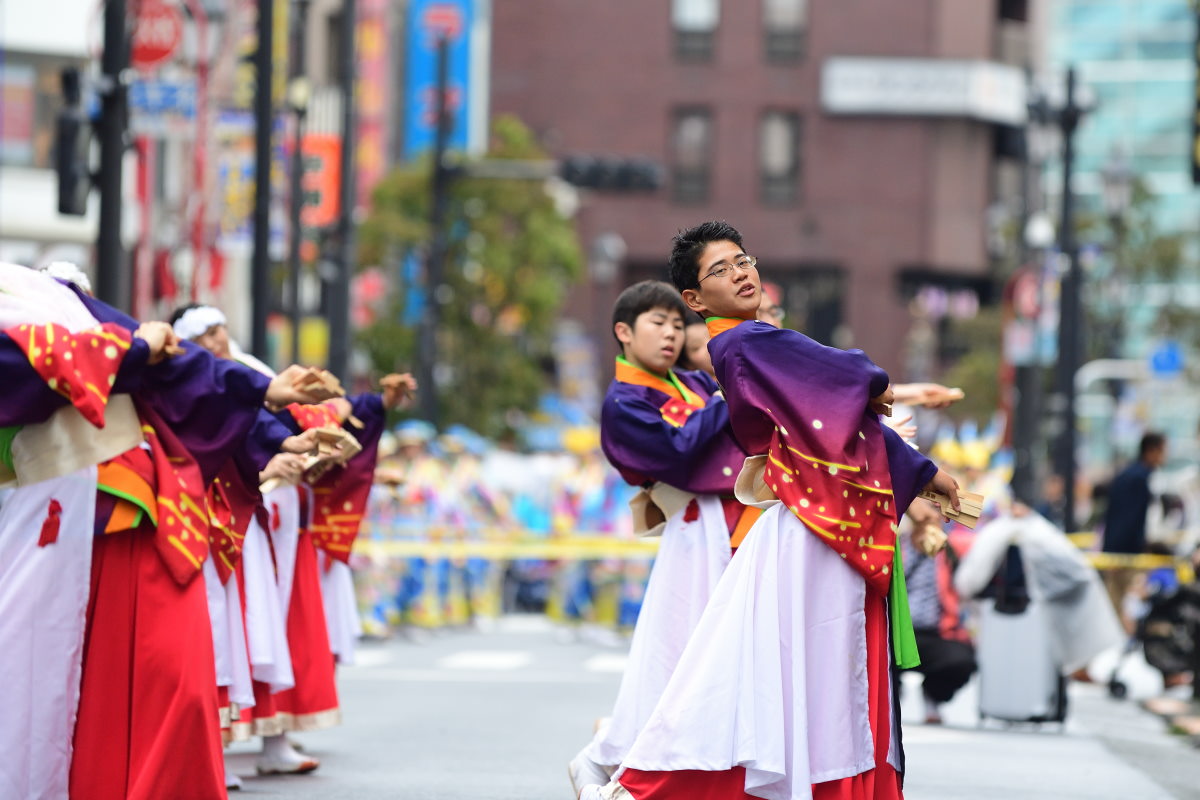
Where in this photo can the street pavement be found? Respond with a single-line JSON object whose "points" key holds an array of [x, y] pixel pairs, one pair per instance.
{"points": [[496, 713]]}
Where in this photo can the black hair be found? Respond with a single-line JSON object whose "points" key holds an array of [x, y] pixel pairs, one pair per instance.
{"points": [[1151, 441], [683, 362], [179, 312], [687, 246], [643, 296]]}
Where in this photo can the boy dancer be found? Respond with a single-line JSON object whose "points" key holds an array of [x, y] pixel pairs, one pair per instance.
{"points": [[783, 690], [661, 427]]}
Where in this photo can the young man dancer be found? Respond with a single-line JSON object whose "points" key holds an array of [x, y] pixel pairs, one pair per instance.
{"points": [[661, 427], [783, 690]]}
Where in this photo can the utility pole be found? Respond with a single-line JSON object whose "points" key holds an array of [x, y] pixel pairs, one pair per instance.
{"points": [[1070, 313], [436, 261], [298, 100], [339, 287], [260, 269], [113, 283]]}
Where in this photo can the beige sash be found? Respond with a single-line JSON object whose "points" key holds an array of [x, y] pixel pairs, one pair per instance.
{"points": [[67, 442], [750, 489], [654, 506]]}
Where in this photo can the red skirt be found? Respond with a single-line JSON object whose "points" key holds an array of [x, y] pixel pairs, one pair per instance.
{"points": [[148, 723], [880, 783], [313, 703]]}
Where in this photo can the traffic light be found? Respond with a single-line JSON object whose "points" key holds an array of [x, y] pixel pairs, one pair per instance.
{"points": [[611, 174], [71, 148]]}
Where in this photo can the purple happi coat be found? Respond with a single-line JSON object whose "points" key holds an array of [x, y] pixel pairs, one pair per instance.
{"points": [[647, 441], [846, 476]]}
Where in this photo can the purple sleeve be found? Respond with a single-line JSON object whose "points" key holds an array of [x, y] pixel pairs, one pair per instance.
{"points": [[641, 444], [129, 376], [879, 380], [285, 418], [911, 471], [369, 410], [27, 398], [775, 375], [264, 440], [211, 404]]}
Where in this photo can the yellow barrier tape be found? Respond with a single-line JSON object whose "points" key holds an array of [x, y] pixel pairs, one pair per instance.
{"points": [[1085, 540], [573, 548], [499, 545]]}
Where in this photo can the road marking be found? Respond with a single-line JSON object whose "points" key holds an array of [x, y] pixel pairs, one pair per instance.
{"points": [[364, 657], [486, 660], [473, 676], [524, 623], [606, 662]]}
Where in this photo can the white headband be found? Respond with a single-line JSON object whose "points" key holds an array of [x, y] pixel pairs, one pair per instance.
{"points": [[195, 321], [71, 273]]}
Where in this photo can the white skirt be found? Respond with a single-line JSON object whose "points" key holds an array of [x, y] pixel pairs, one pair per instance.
{"points": [[266, 619], [774, 677], [43, 613], [691, 558], [341, 606], [229, 636], [284, 503]]}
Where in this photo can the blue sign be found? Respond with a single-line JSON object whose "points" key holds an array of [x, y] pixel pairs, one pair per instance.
{"points": [[154, 96], [412, 278], [428, 22], [1167, 359]]}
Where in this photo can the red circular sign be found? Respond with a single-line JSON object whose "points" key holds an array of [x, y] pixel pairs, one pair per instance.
{"points": [[1025, 298], [156, 34]]}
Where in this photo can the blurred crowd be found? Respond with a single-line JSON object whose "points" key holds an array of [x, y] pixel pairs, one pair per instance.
{"points": [[458, 487], [434, 489]]}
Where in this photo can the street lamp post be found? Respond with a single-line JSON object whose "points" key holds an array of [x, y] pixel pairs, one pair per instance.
{"points": [[1070, 314]]}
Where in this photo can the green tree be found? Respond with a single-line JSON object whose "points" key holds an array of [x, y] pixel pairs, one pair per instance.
{"points": [[1135, 256], [977, 371], [511, 259]]}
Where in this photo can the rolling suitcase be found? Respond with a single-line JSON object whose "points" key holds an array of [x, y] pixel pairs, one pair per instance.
{"points": [[1018, 678]]}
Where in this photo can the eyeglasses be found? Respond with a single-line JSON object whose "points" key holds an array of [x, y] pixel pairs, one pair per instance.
{"points": [[744, 263]]}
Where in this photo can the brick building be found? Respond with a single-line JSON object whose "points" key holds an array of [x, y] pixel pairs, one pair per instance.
{"points": [[851, 202]]}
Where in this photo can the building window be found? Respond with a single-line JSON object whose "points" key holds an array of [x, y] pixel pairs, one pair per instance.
{"points": [[695, 26], [333, 49], [784, 23], [812, 298], [779, 157], [30, 98], [1016, 10], [691, 144]]}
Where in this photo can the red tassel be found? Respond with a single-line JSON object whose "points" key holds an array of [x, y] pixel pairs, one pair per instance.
{"points": [[276, 520], [50, 524], [692, 512]]}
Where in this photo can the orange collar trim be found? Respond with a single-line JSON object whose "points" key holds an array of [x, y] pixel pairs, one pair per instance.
{"points": [[718, 325], [628, 373]]}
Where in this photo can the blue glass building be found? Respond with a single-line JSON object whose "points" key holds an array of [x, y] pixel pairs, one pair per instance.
{"points": [[1137, 58]]}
